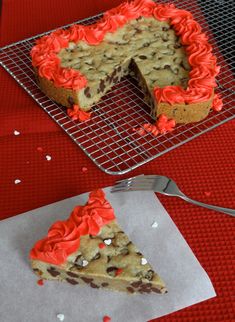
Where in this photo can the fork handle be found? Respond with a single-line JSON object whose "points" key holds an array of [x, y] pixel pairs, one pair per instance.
{"points": [[228, 211]]}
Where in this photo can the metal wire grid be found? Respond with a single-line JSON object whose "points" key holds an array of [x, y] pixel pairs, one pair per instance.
{"points": [[108, 138]]}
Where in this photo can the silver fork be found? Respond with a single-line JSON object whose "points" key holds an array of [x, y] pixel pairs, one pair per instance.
{"points": [[165, 186]]}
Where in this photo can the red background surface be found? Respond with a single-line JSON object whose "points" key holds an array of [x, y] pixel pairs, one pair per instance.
{"points": [[205, 164]]}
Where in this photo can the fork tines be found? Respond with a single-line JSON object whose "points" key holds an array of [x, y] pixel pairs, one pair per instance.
{"points": [[135, 183]]}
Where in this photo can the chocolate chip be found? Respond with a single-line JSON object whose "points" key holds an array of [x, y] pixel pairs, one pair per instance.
{"points": [[104, 284], [71, 281], [165, 28], [71, 274], [112, 271], [156, 290], [143, 57], [97, 256], [146, 44], [145, 290], [70, 100], [114, 73], [176, 46], [146, 286], [115, 79], [108, 259], [125, 251], [53, 271], [87, 280], [37, 271], [78, 260], [94, 285], [136, 284], [130, 289], [167, 67], [87, 92], [119, 68], [149, 275], [138, 31], [102, 86]]}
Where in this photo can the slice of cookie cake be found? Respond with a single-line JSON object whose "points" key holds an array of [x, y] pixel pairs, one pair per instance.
{"points": [[91, 248]]}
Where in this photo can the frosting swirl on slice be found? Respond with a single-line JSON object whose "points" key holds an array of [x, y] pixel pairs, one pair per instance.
{"points": [[63, 239], [96, 213]]}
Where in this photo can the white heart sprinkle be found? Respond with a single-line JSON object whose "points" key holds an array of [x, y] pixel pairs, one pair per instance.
{"points": [[154, 224], [48, 157], [17, 181], [108, 241], [16, 132], [143, 261], [60, 317], [84, 263]]}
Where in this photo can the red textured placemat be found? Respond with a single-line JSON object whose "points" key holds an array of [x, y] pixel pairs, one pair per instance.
{"points": [[203, 168]]}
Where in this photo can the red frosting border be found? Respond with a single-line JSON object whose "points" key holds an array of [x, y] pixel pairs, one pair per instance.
{"points": [[63, 237], [200, 57]]}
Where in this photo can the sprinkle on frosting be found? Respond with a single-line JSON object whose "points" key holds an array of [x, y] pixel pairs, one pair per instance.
{"points": [[16, 132], [17, 181], [199, 51], [63, 237]]}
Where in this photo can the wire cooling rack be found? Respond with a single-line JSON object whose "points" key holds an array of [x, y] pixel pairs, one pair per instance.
{"points": [[108, 138]]}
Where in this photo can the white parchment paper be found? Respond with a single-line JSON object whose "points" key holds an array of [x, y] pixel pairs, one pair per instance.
{"points": [[21, 299]]}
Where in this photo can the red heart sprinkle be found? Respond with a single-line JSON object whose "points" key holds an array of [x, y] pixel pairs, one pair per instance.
{"points": [[40, 282], [106, 318], [102, 245], [118, 271]]}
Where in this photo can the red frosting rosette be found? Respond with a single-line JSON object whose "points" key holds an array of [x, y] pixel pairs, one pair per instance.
{"points": [[96, 213], [62, 240]]}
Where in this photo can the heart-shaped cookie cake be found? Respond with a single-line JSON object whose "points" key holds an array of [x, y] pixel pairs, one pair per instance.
{"points": [[160, 45]]}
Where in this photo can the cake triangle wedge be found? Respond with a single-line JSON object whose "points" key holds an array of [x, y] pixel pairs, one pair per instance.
{"points": [[91, 248]]}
